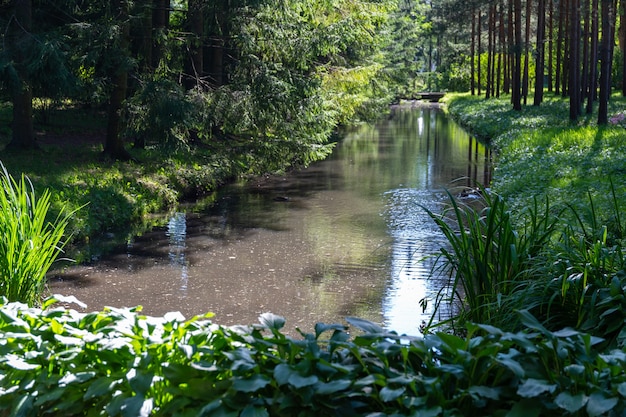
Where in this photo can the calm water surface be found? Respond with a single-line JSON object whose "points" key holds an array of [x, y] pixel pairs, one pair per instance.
{"points": [[345, 237]]}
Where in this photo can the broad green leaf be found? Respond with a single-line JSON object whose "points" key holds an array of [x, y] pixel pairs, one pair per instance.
{"points": [[282, 373], [621, 388], [300, 381], [24, 407], [512, 364], [139, 382], [567, 332], [598, 404], [485, 392], [252, 384], [137, 406], [531, 322], [323, 327], [569, 402], [272, 321], [365, 325], [325, 388], [101, 386], [575, 370], [535, 387], [254, 411], [388, 394]]}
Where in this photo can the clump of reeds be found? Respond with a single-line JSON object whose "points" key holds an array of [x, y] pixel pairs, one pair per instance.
{"points": [[30, 242]]}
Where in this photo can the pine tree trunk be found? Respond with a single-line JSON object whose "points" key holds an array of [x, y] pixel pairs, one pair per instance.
{"points": [[593, 58], [473, 55], [539, 66], [525, 77], [605, 63], [584, 76], [478, 41], [559, 49], [550, 46], [517, 48]]}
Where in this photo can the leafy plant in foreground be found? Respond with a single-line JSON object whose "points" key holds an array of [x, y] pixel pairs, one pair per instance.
{"points": [[30, 243], [117, 362]]}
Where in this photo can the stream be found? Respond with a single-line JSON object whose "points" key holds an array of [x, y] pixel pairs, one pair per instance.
{"points": [[347, 236]]}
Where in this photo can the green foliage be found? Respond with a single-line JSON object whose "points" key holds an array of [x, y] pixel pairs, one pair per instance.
{"points": [[489, 260], [30, 243], [159, 113], [56, 361]]}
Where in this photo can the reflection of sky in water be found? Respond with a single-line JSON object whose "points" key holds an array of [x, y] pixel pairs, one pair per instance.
{"points": [[177, 235], [415, 240]]}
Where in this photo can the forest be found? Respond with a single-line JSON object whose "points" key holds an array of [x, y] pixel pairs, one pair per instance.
{"points": [[281, 75], [113, 111]]}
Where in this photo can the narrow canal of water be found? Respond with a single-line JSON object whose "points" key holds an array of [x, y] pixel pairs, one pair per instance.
{"points": [[345, 237]]}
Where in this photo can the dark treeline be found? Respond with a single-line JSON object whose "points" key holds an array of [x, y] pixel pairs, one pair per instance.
{"points": [[571, 48], [272, 77]]}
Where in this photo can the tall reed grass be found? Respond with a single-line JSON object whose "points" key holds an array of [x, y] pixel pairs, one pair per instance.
{"points": [[566, 266], [30, 242], [487, 258]]}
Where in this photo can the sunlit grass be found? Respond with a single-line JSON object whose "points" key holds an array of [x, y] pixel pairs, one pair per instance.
{"points": [[30, 243]]}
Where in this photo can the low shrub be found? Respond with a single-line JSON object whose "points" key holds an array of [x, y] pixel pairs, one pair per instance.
{"points": [[117, 362]]}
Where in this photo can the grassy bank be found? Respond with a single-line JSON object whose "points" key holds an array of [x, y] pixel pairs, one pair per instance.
{"points": [[550, 237], [119, 199], [541, 154]]}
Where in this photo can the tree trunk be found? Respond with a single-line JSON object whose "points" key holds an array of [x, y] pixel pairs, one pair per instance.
{"points": [[566, 51], [194, 64], [510, 64], [501, 51], [490, 32], [114, 145], [506, 87], [550, 46], [525, 76], [478, 41], [23, 133], [473, 55], [584, 76], [559, 49], [539, 66], [517, 49], [574, 61], [605, 63], [593, 58], [622, 42]]}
